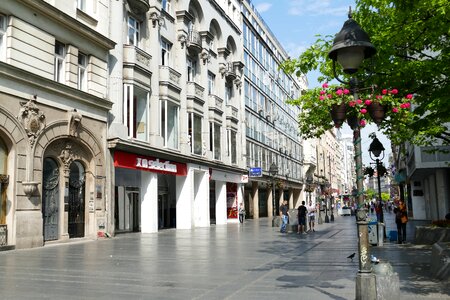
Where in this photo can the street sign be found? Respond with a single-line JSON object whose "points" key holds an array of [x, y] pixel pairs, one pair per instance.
{"points": [[255, 172]]}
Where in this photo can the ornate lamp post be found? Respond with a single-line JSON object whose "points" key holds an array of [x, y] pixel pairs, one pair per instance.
{"points": [[351, 46], [376, 149], [273, 170]]}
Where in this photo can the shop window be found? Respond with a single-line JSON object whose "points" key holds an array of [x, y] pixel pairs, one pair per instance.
{"points": [[169, 124], [60, 54], [214, 140], [195, 132], [133, 36], [82, 65], [136, 112]]}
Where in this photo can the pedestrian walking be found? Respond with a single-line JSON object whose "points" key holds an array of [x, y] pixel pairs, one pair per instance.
{"points": [[302, 211], [311, 215], [241, 212], [401, 218], [284, 213]]}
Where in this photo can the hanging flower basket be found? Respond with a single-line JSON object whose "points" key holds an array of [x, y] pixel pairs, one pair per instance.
{"points": [[338, 114], [353, 121], [377, 112]]}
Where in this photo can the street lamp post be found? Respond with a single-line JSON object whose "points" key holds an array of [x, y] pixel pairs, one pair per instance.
{"points": [[327, 200], [273, 170], [376, 149], [350, 47]]}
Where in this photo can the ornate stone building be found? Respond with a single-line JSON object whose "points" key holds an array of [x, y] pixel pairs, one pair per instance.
{"points": [[53, 121]]}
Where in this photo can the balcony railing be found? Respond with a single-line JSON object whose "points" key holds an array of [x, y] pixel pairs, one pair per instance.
{"points": [[194, 41], [134, 56]]}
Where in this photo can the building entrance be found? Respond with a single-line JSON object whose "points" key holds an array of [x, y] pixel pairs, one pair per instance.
{"points": [[128, 209]]}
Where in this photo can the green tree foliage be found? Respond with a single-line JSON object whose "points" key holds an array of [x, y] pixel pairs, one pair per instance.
{"points": [[412, 38]]}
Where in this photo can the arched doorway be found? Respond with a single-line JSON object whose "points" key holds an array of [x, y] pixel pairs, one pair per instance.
{"points": [[76, 199], [50, 199], [3, 181]]}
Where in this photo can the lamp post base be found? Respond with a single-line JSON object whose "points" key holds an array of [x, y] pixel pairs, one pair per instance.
{"points": [[365, 286]]}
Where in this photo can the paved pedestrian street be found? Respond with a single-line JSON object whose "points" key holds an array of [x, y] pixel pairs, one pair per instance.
{"points": [[249, 261]]}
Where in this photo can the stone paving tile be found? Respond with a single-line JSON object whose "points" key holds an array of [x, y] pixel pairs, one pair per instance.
{"points": [[249, 261]]}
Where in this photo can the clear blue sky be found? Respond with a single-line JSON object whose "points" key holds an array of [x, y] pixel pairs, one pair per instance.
{"points": [[296, 24]]}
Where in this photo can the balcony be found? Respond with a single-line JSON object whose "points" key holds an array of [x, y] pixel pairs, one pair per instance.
{"points": [[215, 104], [136, 58], [169, 82], [230, 73], [194, 41], [139, 6], [232, 114], [195, 96]]}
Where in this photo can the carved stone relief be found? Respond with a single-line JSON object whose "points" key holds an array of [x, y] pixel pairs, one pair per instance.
{"points": [[32, 119], [74, 122]]}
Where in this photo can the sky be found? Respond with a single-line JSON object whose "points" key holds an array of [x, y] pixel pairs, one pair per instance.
{"points": [[296, 24]]}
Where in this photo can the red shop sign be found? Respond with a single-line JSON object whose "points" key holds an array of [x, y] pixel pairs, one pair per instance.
{"points": [[146, 163]]}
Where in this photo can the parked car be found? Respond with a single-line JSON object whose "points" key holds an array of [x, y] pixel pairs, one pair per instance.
{"points": [[345, 211]]}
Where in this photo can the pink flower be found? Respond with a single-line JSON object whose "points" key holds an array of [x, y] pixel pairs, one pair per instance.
{"points": [[407, 105], [359, 101], [321, 98], [379, 97], [346, 91], [325, 85], [409, 96], [322, 92], [384, 92], [402, 105], [339, 92], [352, 103], [368, 102], [362, 123], [395, 110], [329, 96], [363, 111], [394, 91]]}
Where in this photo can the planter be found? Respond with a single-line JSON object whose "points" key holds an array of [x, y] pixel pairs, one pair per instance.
{"points": [[338, 114], [427, 235], [377, 112], [353, 121]]}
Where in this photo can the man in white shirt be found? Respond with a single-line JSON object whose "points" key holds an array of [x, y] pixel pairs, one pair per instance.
{"points": [[311, 215]]}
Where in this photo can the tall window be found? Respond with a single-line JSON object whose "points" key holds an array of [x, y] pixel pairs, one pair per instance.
{"points": [[81, 5], [232, 146], [82, 78], [169, 124], [60, 53], [136, 112], [133, 31], [2, 37], [211, 83], [165, 53], [228, 92], [191, 69], [166, 5], [195, 133], [214, 140]]}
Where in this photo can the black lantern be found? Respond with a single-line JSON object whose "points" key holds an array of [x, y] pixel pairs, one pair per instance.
{"points": [[376, 148], [351, 46]]}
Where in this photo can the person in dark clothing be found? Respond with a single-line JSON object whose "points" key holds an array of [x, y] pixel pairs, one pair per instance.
{"points": [[284, 213], [401, 218], [302, 218], [241, 213]]}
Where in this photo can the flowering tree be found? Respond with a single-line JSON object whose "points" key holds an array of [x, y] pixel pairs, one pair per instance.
{"points": [[320, 110], [412, 42]]}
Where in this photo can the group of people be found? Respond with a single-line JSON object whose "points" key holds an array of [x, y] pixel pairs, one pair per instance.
{"points": [[304, 213]]}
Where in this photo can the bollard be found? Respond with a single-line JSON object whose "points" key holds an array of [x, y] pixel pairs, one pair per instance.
{"points": [[380, 234], [387, 281]]}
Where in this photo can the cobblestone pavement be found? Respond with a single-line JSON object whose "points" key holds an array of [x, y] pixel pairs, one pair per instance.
{"points": [[249, 261]]}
